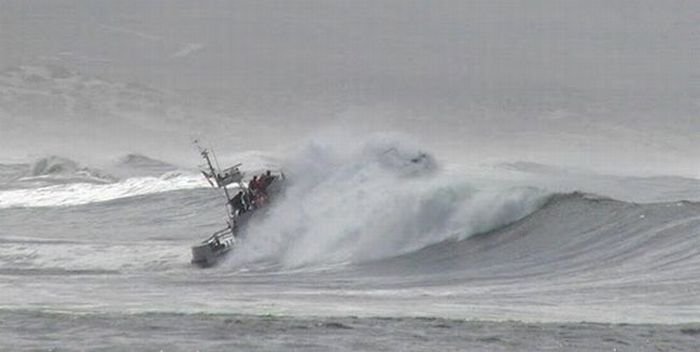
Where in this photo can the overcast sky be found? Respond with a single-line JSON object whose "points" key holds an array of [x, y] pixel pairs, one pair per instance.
{"points": [[530, 75]]}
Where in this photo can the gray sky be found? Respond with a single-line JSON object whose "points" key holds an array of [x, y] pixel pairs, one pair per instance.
{"points": [[591, 83]]}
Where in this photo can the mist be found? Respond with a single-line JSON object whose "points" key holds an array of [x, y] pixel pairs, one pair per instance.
{"points": [[610, 87]]}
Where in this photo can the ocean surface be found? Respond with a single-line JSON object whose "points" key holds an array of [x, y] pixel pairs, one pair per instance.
{"points": [[483, 175], [375, 247]]}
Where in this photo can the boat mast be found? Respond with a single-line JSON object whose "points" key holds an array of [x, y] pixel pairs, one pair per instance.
{"points": [[217, 177]]}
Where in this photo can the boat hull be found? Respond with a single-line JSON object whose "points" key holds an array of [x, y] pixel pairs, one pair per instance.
{"points": [[208, 252]]}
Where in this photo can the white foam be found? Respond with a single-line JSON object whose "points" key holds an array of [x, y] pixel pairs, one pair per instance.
{"points": [[84, 193], [381, 198]]}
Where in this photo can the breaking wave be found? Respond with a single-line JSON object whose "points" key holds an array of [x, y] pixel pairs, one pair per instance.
{"points": [[84, 193], [573, 241], [383, 198], [59, 181], [51, 170], [54, 165], [386, 199], [416, 226]]}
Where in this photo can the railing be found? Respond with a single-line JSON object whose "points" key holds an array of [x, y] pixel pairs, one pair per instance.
{"points": [[219, 234]]}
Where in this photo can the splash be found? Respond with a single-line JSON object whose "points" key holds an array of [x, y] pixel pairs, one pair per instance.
{"points": [[376, 198]]}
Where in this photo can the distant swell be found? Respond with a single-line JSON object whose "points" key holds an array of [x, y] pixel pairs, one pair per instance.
{"points": [[133, 165]]}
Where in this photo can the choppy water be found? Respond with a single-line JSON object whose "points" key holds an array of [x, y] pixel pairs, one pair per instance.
{"points": [[368, 249], [204, 332]]}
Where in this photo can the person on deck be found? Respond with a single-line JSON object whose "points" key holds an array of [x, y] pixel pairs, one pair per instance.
{"points": [[237, 204], [267, 179], [247, 200], [254, 184]]}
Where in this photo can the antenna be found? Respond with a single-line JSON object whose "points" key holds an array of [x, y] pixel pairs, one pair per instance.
{"points": [[213, 153], [216, 174], [195, 142]]}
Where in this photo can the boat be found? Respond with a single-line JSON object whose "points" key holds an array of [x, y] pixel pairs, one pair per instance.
{"points": [[207, 253], [249, 200]]}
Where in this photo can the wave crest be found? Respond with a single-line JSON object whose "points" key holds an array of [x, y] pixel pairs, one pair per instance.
{"points": [[56, 169], [382, 199], [53, 165]]}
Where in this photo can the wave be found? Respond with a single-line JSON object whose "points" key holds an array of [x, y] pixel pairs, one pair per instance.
{"points": [[633, 188], [571, 248], [50, 170], [573, 241], [59, 181], [138, 165], [85, 193], [54, 165], [387, 201], [379, 198], [58, 170]]}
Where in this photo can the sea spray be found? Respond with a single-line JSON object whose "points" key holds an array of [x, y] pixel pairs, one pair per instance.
{"points": [[380, 197]]}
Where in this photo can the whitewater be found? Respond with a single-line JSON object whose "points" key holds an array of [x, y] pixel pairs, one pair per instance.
{"points": [[376, 238]]}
